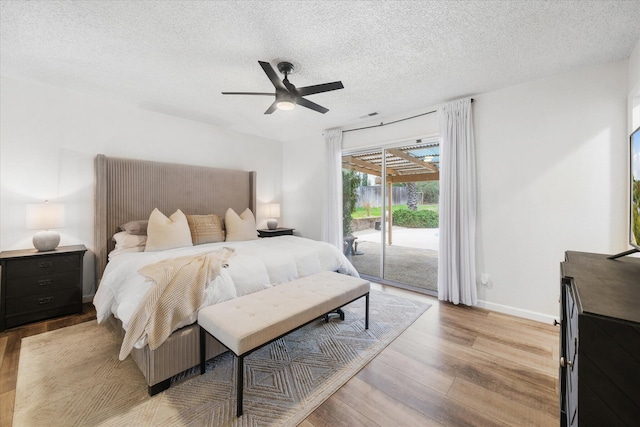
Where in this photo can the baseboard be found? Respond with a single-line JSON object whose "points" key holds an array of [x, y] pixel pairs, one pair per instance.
{"points": [[87, 298], [514, 311]]}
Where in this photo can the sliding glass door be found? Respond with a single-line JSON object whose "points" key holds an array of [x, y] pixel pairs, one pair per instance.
{"points": [[390, 201]]}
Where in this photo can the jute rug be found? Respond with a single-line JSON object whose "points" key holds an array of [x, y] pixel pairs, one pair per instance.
{"points": [[72, 376]]}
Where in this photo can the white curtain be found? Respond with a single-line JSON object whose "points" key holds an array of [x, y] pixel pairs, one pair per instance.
{"points": [[456, 262], [332, 220]]}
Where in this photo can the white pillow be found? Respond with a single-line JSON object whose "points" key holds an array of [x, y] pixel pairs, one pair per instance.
{"points": [[125, 240], [241, 227], [167, 233]]}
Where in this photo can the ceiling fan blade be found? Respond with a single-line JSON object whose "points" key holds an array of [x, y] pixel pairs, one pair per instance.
{"points": [[271, 73], [311, 105], [248, 93], [325, 87], [272, 108]]}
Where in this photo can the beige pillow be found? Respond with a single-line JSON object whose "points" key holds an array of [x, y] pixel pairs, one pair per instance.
{"points": [[205, 229], [241, 227], [167, 233]]}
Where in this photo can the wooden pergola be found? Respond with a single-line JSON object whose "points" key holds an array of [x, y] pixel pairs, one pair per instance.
{"points": [[414, 163]]}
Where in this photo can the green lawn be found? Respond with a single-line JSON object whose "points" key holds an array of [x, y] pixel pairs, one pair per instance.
{"points": [[377, 211]]}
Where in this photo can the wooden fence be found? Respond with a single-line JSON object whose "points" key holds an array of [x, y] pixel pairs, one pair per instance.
{"points": [[372, 194]]}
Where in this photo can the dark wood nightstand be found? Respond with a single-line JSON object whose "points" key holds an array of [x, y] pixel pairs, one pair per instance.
{"points": [[276, 232], [39, 285]]}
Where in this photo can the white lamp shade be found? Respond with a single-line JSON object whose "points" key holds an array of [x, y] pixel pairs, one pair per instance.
{"points": [[44, 216], [273, 210]]}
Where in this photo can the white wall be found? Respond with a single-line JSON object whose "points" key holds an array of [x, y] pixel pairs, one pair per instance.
{"points": [[634, 89], [551, 159], [303, 179], [50, 136]]}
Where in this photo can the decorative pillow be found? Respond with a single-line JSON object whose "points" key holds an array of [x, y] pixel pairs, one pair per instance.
{"points": [[167, 233], [125, 240], [205, 229], [241, 227], [138, 227]]}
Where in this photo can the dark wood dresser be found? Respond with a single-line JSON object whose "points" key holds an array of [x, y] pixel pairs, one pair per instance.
{"points": [[40, 285], [600, 341]]}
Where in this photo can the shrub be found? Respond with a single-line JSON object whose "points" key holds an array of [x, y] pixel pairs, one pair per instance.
{"points": [[349, 198], [415, 219]]}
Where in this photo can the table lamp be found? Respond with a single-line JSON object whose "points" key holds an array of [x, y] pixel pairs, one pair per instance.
{"points": [[273, 212], [44, 217]]}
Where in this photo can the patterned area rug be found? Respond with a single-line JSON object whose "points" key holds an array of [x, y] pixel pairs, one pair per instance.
{"points": [[72, 376]]}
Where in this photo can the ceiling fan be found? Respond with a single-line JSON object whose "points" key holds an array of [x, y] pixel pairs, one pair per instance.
{"points": [[287, 95]]}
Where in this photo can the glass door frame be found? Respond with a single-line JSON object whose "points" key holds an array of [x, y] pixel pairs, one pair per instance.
{"points": [[386, 203]]}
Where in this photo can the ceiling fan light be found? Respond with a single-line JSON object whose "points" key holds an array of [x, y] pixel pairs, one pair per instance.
{"points": [[285, 105]]}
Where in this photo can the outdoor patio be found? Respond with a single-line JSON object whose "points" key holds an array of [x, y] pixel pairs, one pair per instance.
{"points": [[412, 259]]}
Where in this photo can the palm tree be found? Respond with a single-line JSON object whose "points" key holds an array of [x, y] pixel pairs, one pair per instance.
{"points": [[412, 196]]}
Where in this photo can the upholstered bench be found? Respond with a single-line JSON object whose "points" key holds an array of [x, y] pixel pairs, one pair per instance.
{"points": [[247, 323]]}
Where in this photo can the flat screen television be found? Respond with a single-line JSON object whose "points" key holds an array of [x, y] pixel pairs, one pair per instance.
{"points": [[634, 193]]}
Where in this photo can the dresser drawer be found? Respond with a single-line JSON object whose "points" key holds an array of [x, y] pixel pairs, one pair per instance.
{"points": [[41, 284], [42, 301], [41, 265]]}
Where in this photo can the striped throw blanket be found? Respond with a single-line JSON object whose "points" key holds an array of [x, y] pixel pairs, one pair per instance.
{"points": [[178, 292]]}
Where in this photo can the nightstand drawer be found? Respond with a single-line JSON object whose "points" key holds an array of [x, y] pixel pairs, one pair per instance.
{"points": [[43, 301], [42, 265], [41, 284]]}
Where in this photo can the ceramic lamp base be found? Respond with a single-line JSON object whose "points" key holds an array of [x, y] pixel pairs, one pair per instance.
{"points": [[272, 224], [46, 240]]}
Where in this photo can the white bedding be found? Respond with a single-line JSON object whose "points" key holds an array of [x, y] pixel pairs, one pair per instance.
{"points": [[258, 264]]}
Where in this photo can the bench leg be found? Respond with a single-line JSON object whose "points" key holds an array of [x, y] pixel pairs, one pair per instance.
{"points": [[203, 350], [338, 312], [366, 315], [239, 374], [240, 384]]}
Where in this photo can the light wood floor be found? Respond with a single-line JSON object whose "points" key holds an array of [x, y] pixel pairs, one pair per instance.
{"points": [[455, 366]]}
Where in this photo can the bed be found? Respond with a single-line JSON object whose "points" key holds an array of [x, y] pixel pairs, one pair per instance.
{"points": [[129, 190]]}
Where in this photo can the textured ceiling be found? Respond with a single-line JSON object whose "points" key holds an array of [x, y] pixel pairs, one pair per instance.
{"points": [[393, 57]]}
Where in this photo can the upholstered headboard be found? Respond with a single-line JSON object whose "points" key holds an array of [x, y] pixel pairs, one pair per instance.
{"points": [[128, 190]]}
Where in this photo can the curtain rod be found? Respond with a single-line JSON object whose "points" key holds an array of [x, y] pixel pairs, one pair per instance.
{"points": [[395, 121]]}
